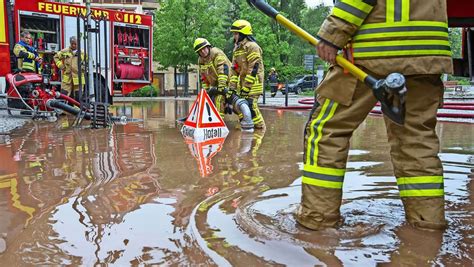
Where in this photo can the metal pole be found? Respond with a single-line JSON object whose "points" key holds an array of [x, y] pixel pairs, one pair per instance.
{"points": [[79, 63], [106, 55], [286, 93], [312, 78], [264, 93], [470, 54], [89, 45], [97, 63], [175, 83], [87, 70]]}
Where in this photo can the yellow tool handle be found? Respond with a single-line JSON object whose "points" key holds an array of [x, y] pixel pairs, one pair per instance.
{"points": [[341, 61]]}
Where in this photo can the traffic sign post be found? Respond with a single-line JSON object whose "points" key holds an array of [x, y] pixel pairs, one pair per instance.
{"points": [[309, 65], [309, 61]]}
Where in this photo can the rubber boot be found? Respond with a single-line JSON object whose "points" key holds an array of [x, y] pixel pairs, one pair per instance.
{"points": [[319, 207], [425, 212], [416, 247]]}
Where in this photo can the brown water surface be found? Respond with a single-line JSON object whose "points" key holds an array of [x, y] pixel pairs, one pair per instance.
{"points": [[139, 194]]}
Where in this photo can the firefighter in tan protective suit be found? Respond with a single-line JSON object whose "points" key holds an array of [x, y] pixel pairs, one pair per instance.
{"points": [[247, 58], [66, 60], [409, 37], [211, 67]]}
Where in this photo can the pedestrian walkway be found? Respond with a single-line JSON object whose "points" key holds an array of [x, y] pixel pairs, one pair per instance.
{"points": [[279, 100], [8, 123]]}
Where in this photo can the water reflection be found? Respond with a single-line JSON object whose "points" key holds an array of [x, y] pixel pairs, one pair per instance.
{"points": [[62, 178], [136, 195], [203, 152]]}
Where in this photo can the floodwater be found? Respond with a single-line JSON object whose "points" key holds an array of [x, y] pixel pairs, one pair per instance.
{"points": [[140, 194]]}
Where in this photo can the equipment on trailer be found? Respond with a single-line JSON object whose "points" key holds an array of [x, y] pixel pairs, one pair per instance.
{"points": [[31, 94]]}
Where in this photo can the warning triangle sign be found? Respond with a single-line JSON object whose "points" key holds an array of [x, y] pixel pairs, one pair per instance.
{"points": [[203, 121], [208, 114], [203, 113]]}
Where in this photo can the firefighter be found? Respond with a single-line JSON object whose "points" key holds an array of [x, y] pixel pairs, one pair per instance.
{"points": [[273, 81], [66, 61], [211, 64], [27, 57], [247, 58], [380, 36]]}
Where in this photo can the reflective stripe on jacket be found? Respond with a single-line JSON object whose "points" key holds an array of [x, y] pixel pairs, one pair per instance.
{"points": [[407, 36], [212, 69], [246, 54]]}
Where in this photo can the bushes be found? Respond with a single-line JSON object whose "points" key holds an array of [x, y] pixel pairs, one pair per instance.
{"points": [[145, 91]]}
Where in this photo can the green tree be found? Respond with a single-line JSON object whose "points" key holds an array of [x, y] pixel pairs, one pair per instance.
{"points": [[177, 24], [455, 41]]}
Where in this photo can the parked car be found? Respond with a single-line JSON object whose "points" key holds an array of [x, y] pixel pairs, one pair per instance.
{"points": [[302, 83]]}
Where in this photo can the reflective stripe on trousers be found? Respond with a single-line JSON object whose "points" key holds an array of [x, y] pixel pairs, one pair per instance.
{"points": [[414, 147]]}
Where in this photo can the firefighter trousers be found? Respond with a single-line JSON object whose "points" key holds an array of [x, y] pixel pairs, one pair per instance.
{"points": [[257, 117], [219, 102], [413, 149]]}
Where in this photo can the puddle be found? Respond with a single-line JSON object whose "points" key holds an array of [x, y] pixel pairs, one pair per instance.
{"points": [[140, 194]]}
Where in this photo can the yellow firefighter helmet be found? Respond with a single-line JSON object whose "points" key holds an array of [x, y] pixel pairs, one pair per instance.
{"points": [[241, 26], [200, 43]]}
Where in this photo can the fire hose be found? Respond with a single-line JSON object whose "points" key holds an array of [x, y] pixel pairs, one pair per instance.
{"points": [[240, 104], [54, 103], [461, 106]]}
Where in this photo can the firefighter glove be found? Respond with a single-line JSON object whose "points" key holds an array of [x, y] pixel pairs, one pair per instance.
{"points": [[229, 93], [212, 91], [244, 91]]}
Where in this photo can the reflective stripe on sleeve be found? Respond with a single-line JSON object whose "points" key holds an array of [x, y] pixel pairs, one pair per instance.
{"points": [[352, 11]]}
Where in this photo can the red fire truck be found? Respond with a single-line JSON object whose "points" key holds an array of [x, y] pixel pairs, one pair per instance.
{"points": [[51, 24]]}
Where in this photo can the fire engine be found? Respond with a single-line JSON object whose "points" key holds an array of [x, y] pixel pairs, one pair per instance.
{"points": [[51, 24]]}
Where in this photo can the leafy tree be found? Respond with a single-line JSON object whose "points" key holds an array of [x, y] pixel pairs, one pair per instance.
{"points": [[455, 41], [177, 24]]}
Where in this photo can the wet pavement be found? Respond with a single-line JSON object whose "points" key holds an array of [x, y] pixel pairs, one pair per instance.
{"points": [[140, 194], [9, 123]]}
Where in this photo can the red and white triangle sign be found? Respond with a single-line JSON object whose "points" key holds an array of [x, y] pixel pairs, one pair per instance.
{"points": [[203, 121], [203, 113]]}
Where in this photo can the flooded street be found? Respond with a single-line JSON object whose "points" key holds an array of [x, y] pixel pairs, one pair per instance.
{"points": [[140, 194]]}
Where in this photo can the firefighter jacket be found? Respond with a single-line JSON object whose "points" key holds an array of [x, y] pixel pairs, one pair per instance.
{"points": [[25, 55], [212, 69], [385, 36], [66, 60], [246, 54]]}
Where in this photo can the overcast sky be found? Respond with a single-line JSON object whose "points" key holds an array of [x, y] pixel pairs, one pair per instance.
{"points": [[312, 3]]}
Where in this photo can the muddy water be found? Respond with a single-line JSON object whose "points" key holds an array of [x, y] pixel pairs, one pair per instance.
{"points": [[139, 194]]}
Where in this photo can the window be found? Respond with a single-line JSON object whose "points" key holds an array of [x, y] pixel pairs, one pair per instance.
{"points": [[180, 79]]}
